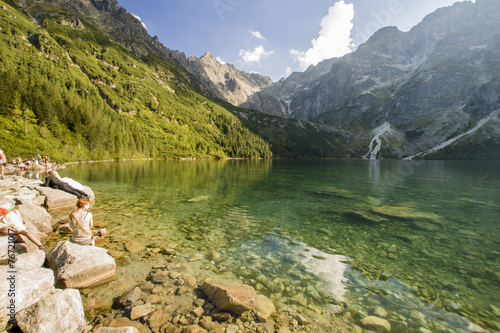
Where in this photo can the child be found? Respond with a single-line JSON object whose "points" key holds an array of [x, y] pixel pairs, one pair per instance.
{"points": [[81, 222]]}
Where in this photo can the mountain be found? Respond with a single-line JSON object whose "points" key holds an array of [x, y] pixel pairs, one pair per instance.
{"points": [[224, 80], [83, 80], [431, 92]]}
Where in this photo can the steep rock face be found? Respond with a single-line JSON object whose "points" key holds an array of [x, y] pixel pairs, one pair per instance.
{"points": [[225, 80]]}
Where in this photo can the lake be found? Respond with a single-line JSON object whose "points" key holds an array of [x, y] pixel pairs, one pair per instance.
{"points": [[417, 242]]}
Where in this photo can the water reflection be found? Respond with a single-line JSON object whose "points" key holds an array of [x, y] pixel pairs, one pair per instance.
{"points": [[427, 239]]}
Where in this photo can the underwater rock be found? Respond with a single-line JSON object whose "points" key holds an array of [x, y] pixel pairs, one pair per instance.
{"points": [[129, 329], [195, 257], [380, 312], [230, 297], [299, 300], [132, 296], [264, 305], [133, 247], [365, 217], [335, 193], [201, 198], [194, 329], [125, 322], [141, 311], [392, 249], [160, 277], [157, 319], [376, 324], [405, 213]]}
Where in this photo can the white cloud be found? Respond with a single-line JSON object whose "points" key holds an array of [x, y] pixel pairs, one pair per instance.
{"points": [[255, 55], [257, 34], [334, 37], [139, 19]]}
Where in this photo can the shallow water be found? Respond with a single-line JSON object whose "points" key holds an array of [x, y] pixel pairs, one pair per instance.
{"points": [[418, 239]]}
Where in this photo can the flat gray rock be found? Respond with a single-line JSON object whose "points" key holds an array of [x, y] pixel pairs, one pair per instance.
{"points": [[80, 266]]}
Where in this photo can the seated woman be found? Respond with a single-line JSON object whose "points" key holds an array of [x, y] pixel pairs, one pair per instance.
{"points": [[81, 223], [54, 182], [11, 224]]}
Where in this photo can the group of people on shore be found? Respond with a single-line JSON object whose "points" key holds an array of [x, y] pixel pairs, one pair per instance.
{"points": [[37, 163]]}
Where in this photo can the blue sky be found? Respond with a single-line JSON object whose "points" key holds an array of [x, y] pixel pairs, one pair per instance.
{"points": [[274, 37]]}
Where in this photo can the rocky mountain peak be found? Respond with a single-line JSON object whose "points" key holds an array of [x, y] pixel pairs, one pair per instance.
{"points": [[225, 80], [209, 60]]}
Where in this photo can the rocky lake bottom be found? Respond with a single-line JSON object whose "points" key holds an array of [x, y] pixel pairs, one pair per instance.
{"points": [[415, 243]]}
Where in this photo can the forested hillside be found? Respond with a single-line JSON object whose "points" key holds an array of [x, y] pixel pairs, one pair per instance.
{"points": [[70, 92]]}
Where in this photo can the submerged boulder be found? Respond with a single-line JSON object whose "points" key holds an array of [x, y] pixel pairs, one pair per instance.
{"points": [[375, 324], [79, 266], [128, 329], [226, 296], [264, 306], [404, 213]]}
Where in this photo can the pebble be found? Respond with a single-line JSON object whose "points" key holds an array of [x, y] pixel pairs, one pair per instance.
{"points": [[232, 329]]}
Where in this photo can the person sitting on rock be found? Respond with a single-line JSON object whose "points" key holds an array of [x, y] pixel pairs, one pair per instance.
{"points": [[11, 224], [52, 181], [81, 223]]}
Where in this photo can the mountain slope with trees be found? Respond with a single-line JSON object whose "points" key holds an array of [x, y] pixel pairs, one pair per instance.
{"points": [[69, 91]]}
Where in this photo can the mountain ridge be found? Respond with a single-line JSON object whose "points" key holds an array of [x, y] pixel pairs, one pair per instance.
{"points": [[434, 71]]}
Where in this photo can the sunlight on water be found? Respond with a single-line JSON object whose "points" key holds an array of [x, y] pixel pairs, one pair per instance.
{"points": [[416, 242]]}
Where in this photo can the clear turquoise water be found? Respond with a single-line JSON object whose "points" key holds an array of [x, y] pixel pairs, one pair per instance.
{"points": [[418, 239]]}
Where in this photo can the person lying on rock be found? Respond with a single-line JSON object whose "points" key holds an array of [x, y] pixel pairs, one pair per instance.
{"points": [[81, 223], [11, 223], [52, 181], [73, 183]]}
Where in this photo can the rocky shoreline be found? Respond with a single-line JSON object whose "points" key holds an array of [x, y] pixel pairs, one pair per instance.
{"points": [[128, 287]]}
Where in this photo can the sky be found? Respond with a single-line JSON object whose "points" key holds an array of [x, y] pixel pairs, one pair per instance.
{"points": [[274, 37]]}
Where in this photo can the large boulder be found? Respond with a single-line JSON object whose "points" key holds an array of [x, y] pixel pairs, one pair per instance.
{"points": [[25, 193], [34, 259], [58, 199], [23, 288], [234, 298], [79, 266], [61, 311], [36, 215]]}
